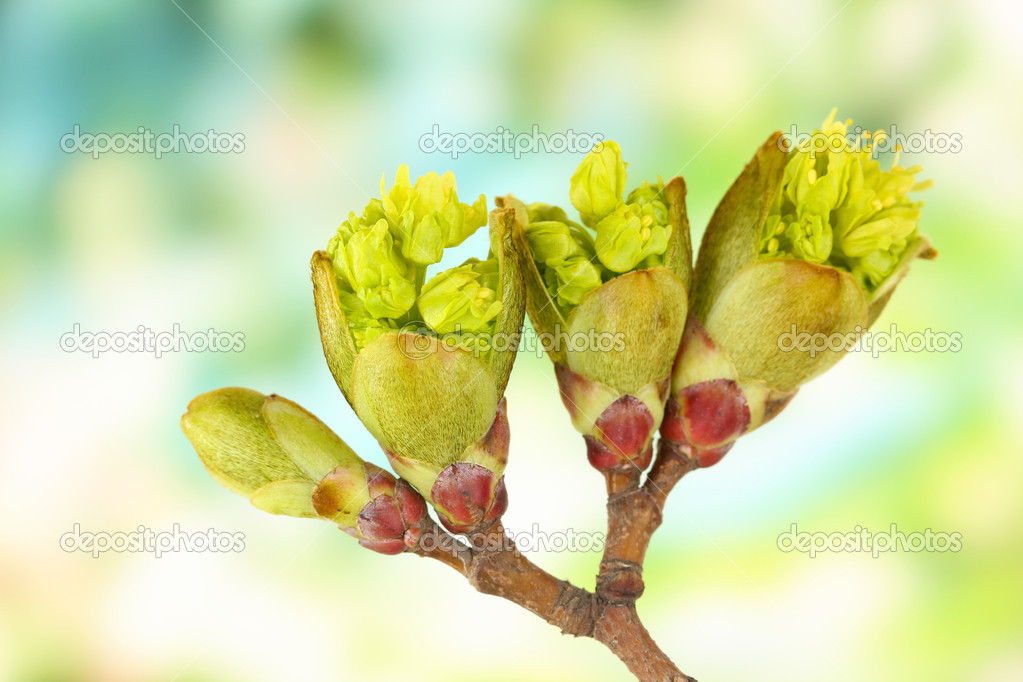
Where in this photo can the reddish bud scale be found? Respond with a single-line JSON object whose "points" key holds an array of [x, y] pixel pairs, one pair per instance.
{"points": [[497, 439], [709, 417], [469, 497], [602, 458], [381, 526], [379, 481], [389, 522], [621, 436]]}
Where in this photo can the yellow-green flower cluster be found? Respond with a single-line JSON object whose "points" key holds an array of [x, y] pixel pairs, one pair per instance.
{"points": [[462, 303], [565, 254], [620, 234], [837, 207], [380, 260], [636, 232]]}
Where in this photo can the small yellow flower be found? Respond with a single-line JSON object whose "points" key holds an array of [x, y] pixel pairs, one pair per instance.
{"points": [[838, 207]]}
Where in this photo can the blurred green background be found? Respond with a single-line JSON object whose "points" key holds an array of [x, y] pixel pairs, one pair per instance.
{"points": [[330, 95]]}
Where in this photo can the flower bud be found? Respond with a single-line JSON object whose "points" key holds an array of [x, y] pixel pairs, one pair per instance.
{"points": [[431, 391], [462, 298], [427, 217], [552, 241], [572, 278], [370, 279], [639, 317], [627, 237], [286, 461], [598, 183], [611, 300], [811, 241], [369, 263], [567, 253], [231, 434], [470, 306]]}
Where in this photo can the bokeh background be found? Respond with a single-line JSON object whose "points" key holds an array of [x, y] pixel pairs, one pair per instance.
{"points": [[329, 95]]}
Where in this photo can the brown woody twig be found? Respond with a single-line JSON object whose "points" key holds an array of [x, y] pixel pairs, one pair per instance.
{"points": [[493, 565]]}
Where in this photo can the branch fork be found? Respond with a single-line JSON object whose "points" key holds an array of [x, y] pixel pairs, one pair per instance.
{"points": [[494, 566]]}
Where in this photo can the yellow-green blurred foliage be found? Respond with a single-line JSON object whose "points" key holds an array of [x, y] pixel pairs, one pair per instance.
{"points": [[331, 94]]}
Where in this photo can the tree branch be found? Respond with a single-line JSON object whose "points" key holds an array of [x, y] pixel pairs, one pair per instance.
{"points": [[634, 512], [620, 629], [493, 565]]}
